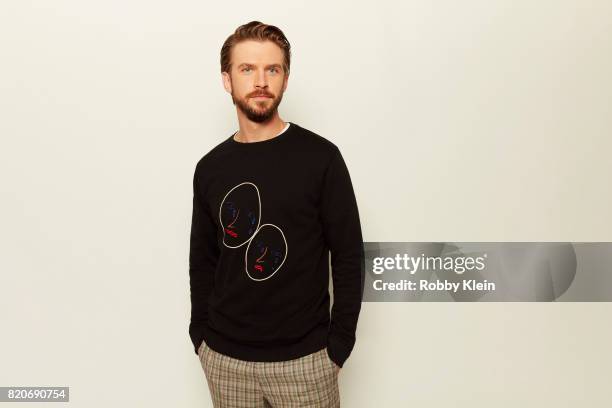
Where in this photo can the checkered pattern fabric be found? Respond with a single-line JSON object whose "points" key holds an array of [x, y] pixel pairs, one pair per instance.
{"points": [[309, 381]]}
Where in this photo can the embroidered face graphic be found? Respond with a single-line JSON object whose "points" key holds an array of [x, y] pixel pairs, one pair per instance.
{"points": [[239, 214], [266, 252]]}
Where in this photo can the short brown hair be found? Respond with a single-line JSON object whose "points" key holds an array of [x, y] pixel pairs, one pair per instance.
{"points": [[255, 30]]}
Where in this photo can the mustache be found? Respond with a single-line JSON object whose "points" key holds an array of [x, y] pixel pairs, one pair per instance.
{"points": [[253, 95]]}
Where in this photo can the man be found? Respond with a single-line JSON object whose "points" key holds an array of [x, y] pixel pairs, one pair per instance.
{"points": [[269, 204]]}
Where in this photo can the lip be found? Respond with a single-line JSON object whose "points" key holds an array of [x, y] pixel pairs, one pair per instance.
{"points": [[261, 97]]}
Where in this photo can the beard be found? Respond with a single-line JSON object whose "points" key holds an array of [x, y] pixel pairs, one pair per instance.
{"points": [[258, 113]]}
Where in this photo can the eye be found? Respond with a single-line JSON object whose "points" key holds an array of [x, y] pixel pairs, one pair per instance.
{"points": [[245, 69], [232, 209], [252, 219]]}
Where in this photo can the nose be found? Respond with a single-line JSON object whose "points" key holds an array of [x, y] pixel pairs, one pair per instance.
{"points": [[261, 80]]}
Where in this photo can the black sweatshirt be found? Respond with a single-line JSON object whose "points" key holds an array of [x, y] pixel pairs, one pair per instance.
{"points": [[265, 217]]}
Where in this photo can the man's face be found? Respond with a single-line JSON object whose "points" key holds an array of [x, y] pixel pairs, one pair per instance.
{"points": [[257, 80]]}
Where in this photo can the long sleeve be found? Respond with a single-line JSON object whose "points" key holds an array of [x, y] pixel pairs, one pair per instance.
{"points": [[342, 231], [203, 257]]}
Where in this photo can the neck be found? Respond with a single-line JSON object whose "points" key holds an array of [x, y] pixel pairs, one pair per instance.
{"points": [[257, 132]]}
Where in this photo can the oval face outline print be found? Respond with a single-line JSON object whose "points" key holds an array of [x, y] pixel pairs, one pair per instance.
{"points": [[240, 214], [266, 252]]}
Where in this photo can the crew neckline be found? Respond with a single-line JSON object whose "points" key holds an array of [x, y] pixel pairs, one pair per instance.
{"points": [[284, 134]]}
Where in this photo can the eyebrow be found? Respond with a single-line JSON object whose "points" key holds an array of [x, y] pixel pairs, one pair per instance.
{"points": [[246, 64]]}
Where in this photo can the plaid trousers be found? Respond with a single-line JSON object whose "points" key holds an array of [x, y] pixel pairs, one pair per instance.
{"points": [[308, 381]]}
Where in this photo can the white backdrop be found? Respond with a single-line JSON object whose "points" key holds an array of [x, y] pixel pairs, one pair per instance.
{"points": [[459, 121]]}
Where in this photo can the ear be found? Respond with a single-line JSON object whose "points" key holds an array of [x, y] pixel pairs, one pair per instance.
{"points": [[286, 82], [227, 83]]}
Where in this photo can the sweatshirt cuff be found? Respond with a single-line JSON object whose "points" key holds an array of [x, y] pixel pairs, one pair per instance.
{"points": [[338, 350], [196, 333]]}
